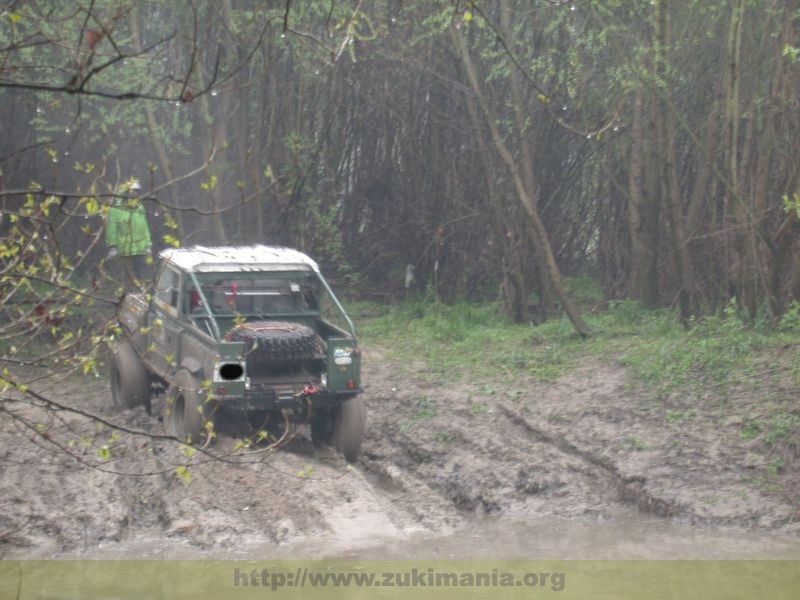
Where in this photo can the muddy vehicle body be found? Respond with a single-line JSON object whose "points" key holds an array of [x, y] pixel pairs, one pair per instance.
{"points": [[255, 329]]}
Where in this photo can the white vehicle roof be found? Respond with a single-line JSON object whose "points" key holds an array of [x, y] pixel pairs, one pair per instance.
{"points": [[239, 258]]}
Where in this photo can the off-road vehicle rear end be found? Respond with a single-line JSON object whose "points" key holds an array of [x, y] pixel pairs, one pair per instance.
{"points": [[254, 329]]}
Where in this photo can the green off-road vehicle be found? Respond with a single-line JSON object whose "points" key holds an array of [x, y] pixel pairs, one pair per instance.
{"points": [[254, 329]]}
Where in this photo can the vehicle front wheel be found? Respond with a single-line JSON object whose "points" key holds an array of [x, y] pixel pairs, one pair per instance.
{"points": [[130, 381], [349, 425], [187, 414]]}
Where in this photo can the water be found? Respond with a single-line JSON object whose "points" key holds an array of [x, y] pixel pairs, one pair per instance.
{"points": [[628, 535]]}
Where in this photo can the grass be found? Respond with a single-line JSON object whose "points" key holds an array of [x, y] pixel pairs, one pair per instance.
{"points": [[468, 340], [478, 343], [424, 410], [636, 444]]}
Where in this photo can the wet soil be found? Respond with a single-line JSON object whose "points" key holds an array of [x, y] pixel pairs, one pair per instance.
{"points": [[585, 467]]}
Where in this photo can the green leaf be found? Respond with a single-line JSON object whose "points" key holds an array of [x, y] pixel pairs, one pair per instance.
{"points": [[92, 206], [210, 184], [243, 443], [183, 473], [792, 203], [171, 240]]}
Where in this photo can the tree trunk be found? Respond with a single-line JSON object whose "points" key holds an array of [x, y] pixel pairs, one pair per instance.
{"points": [[544, 252], [643, 279], [741, 225], [783, 266], [667, 134]]}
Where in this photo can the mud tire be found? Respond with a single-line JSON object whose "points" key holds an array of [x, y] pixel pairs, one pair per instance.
{"points": [[349, 425], [187, 414], [130, 381], [280, 341], [322, 428]]}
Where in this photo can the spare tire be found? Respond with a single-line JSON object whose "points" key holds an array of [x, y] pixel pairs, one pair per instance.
{"points": [[279, 341]]}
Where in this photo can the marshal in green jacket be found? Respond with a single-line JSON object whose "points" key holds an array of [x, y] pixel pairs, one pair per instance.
{"points": [[127, 229]]}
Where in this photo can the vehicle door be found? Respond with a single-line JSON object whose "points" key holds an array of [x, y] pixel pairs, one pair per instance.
{"points": [[163, 324]]}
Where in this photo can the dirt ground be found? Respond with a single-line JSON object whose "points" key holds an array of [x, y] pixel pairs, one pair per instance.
{"points": [[443, 460]]}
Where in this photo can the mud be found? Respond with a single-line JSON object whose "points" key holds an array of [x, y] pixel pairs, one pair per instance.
{"points": [[585, 467]]}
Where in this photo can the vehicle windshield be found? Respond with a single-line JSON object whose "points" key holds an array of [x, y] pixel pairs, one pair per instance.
{"points": [[254, 294]]}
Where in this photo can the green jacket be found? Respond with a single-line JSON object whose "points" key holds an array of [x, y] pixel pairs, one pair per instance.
{"points": [[127, 229]]}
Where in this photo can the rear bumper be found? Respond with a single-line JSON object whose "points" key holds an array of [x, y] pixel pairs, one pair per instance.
{"points": [[273, 400]]}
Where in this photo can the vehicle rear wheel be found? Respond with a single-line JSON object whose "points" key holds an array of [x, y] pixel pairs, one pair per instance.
{"points": [[349, 425], [322, 428], [130, 381], [187, 414]]}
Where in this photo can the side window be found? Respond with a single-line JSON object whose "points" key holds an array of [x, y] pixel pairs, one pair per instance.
{"points": [[331, 312], [167, 288], [192, 303]]}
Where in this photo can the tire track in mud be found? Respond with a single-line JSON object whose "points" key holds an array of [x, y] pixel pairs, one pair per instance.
{"points": [[503, 466], [630, 488], [485, 454], [471, 457], [583, 447]]}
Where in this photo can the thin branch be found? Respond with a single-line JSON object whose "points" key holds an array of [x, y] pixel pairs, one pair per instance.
{"points": [[545, 97]]}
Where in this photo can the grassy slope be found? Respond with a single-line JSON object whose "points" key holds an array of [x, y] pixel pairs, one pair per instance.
{"points": [[746, 374]]}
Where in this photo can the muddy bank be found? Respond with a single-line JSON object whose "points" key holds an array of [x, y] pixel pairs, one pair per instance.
{"points": [[443, 461]]}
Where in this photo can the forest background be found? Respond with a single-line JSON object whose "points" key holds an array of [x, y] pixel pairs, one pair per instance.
{"points": [[550, 158]]}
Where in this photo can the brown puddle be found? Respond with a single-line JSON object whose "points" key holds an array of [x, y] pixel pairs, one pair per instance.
{"points": [[627, 536]]}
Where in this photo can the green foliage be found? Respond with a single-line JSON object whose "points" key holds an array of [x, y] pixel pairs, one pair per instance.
{"points": [[792, 204], [480, 409], [635, 444], [584, 291], [182, 472], [676, 416], [783, 427], [625, 313], [306, 472], [470, 339], [209, 185], [790, 323], [713, 351], [446, 436], [791, 53], [477, 342], [750, 430]]}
